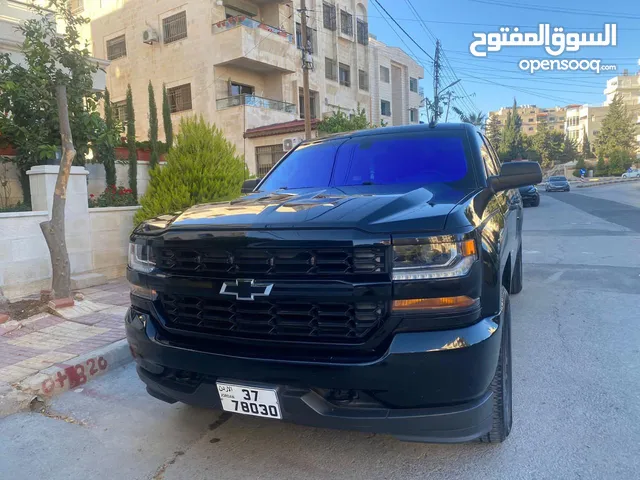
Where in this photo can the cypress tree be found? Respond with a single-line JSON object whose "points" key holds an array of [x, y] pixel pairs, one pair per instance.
{"points": [[166, 118], [153, 128], [131, 144], [106, 151]]}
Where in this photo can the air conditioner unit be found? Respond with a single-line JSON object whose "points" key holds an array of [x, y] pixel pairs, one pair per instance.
{"points": [[150, 36], [290, 143]]}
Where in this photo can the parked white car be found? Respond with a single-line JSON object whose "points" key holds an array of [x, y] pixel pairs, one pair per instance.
{"points": [[631, 173]]}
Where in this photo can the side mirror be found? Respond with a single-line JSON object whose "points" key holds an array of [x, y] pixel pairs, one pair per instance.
{"points": [[516, 174], [249, 186]]}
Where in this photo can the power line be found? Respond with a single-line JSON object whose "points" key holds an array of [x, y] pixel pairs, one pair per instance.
{"points": [[376, 2], [572, 11]]}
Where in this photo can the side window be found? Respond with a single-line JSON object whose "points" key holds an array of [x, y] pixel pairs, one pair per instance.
{"points": [[489, 162]]}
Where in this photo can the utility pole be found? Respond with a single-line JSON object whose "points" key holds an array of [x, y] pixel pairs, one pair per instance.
{"points": [[305, 71], [446, 119], [436, 83]]}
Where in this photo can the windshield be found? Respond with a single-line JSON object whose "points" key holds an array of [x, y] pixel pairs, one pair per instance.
{"points": [[416, 158], [558, 179]]}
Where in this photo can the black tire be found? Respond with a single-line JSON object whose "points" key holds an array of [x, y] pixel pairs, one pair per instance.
{"points": [[516, 279], [536, 202], [501, 385]]}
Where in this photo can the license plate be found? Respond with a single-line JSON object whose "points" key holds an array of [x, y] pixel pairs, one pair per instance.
{"points": [[259, 402]]}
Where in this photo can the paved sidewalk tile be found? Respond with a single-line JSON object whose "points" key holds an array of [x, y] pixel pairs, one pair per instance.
{"points": [[44, 340]]}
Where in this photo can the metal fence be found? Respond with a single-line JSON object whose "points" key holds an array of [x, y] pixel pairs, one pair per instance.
{"points": [[267, 157], [255, 101]]}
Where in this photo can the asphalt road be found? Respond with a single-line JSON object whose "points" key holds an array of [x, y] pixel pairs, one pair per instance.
{"points": [[576, 344]]}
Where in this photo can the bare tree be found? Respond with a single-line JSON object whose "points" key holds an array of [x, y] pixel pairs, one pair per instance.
{"points": [[53, 229]]}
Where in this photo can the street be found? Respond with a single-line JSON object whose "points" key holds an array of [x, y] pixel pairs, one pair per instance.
{"points": [[576, 347]]}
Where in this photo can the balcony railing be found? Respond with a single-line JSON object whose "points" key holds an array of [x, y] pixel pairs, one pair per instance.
{"points": [[233, 22], [255, 101]]}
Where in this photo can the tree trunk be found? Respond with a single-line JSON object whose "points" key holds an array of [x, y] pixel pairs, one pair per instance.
{"points": [[53, 229]]}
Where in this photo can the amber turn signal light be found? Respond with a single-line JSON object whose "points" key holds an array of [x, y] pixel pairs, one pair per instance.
{"points": [[468, 248], [433, 303]]}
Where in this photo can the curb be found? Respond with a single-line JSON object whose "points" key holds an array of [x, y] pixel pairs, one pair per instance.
{"points": [[609, 182], [62, 377]]}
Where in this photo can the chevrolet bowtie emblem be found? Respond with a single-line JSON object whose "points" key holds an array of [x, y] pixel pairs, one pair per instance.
{"points": [[246, 289]]}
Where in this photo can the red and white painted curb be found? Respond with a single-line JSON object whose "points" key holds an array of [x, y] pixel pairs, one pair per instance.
{"points": [[66, 376]]}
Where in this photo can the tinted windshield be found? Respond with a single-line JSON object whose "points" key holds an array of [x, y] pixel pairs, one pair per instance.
{"points": [[418, 158], [558, 179]]}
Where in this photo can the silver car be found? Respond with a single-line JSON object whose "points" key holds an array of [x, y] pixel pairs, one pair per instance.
{"points": [[631, 173], [557, 184]]}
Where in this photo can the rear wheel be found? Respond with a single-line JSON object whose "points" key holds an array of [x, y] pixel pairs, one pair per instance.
{"points": [[516, 280], [502, 383]]}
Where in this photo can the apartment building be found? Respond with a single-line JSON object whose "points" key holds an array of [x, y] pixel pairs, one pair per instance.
{"points": [[532, 116], [14, 12], [238, 63], [396, 97], [584, 120]]}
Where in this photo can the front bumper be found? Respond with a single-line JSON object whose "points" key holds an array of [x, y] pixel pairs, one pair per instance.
{"points": [[557, 188], [427, 386], [530, 198]]}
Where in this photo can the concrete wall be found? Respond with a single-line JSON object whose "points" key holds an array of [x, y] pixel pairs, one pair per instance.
{"points": [[96, 238], [97, 179]]}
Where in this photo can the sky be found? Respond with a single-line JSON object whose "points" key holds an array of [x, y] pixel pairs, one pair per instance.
{"points": [[492, 82]]}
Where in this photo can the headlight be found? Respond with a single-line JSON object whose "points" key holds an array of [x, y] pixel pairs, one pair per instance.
{"points": [[432, 258], [141, 257]]}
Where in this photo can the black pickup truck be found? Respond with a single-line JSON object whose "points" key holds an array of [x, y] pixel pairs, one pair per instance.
{"points": [[364, 284]]}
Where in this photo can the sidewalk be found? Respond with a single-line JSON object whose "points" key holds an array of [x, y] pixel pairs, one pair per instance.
{"points": [[45, 353]]}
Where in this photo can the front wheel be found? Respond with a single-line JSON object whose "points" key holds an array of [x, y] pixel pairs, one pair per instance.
{"points": [[624, 175], [536, 202], [501, 385]]}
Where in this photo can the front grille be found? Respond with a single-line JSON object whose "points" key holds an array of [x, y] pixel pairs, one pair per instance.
{"points": [[272, 262], [274, 320]]}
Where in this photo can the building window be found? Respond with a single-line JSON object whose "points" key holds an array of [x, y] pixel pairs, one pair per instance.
{"points": [[311, 38], [596, 132], [179, 98], [385, 108], [384, 74], [120, 111], [313, 100], [531, 129], [267, 157], [344, 73], [329, 16], [346, 23], [116, 48], [413, 84], [240, 89], [530, 120], [363, 80], [174, 27], [413, 115], [76, 6], [362, 32], [330, 69]]}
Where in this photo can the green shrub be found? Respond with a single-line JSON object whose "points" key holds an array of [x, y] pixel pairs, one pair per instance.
{"points": [[619, 162], [201, 167], [113, 197], [601, 168]]}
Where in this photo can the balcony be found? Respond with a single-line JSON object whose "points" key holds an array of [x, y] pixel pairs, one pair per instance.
{"points": [[255, 101], [252, 111], [246, 43]]}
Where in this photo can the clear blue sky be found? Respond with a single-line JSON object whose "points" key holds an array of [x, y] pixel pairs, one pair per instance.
{"points": [[455, 21]]}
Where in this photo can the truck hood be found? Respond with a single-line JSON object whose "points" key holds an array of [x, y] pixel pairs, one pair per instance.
{"points": [[389, 209]]}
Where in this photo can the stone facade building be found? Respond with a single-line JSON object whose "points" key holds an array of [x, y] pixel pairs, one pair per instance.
{"points": [[235, 62]]}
